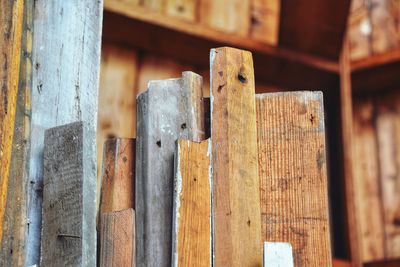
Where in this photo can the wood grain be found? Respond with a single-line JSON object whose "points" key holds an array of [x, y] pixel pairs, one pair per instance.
{"points": [[265, 20], [236, 204], [64, 90], [191, 233], [184, 9], [293, 177], [168, 110], [118, 239], [11, 17], [118, 176]]}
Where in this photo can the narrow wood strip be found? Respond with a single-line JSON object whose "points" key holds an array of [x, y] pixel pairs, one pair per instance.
{"points": [[191, 233], [168, 110], [117, 239], [237, 220], [293, 178]]}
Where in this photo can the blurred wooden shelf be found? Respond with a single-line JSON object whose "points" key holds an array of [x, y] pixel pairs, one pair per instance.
{"points": [[378, 72], [154, 32]]}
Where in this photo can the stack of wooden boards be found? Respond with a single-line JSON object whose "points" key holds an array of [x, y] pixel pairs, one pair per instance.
{"points": [[174, 197]]}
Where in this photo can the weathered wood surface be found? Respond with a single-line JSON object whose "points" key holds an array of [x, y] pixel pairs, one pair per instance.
{"points": [[118, 175], [237, 217], [66, 63], [11, 27], [191, 233], [117, 239], [68, 232], [265, 20], [293, 178], [185, 9], [168, 110], [278, 254]]}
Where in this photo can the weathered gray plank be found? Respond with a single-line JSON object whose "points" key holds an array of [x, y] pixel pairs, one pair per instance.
{"points": [[68, 236], [66, 61], [168, 110]]}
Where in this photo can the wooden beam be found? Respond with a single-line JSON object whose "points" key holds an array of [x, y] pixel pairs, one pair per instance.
{"points": [[191, 233], [278, 254], [265, 20], [69, 201], [236, 204], [118, 175], [293, 177], [304, 24], [64, 90], [11, 17], [168, 110], [117, 239]]}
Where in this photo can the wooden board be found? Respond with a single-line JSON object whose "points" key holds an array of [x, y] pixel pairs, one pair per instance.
{"points": [[11, 17], [64, 90], [168, 110], [265, 20], [117, 239], [231, 16], [185, 9], [367, 195], [191, 232], [293, 177], [118, 175], [69, 204], [236, 202], [117, 97]]}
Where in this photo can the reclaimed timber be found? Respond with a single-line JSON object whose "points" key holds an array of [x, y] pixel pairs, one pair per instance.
{"points": [[168, 110], [230, 16], [292, 165], [346, 105], [118, 175], [303, 24], [69, 202], [12, 246], [11, 17], [367, 197], [236, 201], [192, 43], [265, 20], [64, 90], [184, 9], [117, 239], [191, 232], [155, 5], [278, 254], [359, 30]]}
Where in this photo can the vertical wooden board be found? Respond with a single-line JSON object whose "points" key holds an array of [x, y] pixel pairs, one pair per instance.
{"points": [[236, 204], [191, 233], [265, 20], [388, 135], [118, 175], [184, 9], [231, 16], [367, 195], [117, 97], [277, 254], [168, 110], [158, 68], [11, 17], [359, 30], [293, 178], [68, 238], [117, 239], [64, 90]]}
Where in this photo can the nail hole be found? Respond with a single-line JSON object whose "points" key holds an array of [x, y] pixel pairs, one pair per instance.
{"points": [[158, 143], [242, 78], [183, 126]]}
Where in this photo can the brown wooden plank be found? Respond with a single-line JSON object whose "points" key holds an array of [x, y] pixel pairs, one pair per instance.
{"points": [[237, 222], [265, 20], [367, 195], [184, 9], [191, 233], [11, 17], [117, 239], [303, 24], [293, 177], [155, 5], [118, 175]]}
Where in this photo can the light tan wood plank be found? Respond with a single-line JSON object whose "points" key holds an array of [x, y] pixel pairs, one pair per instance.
{"points": [[237, 222], [184, 9], [117, 239], [191, 234], [293, 177], [265, 20], [367, 195], [155, 5], [231, 16]]}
